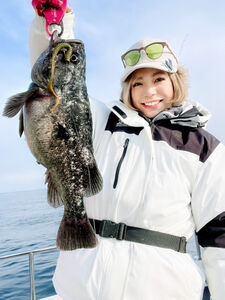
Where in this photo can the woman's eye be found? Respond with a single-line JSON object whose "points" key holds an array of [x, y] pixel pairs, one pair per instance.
{"points": [[159, 79], [136, 84]]}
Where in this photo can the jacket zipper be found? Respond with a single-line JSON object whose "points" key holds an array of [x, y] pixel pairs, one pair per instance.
{"points": [[120, 163]]}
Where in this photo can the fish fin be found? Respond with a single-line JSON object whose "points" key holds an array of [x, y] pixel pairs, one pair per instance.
{"points": [[16, 102], [75, 234], [95, 181], [54, 196], [21, 128]]}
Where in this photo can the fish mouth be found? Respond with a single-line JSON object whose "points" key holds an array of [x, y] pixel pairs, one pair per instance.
{"points": [[55, 39]]}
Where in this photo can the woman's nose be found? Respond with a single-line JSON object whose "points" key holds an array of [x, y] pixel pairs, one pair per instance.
{"points": [[150, 91]]}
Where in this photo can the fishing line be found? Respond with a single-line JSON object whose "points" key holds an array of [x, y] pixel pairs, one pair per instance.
{"points": [[182, 44]]}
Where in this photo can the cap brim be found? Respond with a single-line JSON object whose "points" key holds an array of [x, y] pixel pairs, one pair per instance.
{"points": [[153, 65]]}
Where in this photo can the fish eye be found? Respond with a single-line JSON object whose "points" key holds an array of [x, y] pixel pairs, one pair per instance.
{"points": [[74, 58]]}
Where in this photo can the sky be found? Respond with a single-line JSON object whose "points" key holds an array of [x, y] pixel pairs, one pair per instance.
{"points": [[195, 30]]}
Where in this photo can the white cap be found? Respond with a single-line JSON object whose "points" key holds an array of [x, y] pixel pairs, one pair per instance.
{"points": [[166, 62]]}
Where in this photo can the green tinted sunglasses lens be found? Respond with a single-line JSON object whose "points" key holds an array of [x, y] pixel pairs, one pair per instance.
{"points": [[154, 51], [132, 57]]}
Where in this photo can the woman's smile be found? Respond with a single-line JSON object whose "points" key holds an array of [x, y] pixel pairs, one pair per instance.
{"points": [[152, 104]]}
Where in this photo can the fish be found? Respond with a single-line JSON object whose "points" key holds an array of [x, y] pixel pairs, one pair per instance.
{"points": [[56, 118]]}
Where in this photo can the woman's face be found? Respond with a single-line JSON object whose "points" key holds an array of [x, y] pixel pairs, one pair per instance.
{"points": [[151, 91]]}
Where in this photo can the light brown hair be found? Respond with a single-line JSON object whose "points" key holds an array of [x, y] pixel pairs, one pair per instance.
{"points": [[180, 86]]}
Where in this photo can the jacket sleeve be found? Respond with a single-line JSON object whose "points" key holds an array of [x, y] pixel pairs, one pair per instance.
{"points": [[39, 39], [100, 113], [208, 207]]}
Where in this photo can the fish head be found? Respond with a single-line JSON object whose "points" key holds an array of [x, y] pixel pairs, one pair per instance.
{"points": [[58, 64], [70, 72]]}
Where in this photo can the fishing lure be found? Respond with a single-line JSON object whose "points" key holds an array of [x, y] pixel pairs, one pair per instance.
{"points": [[67, 57]]}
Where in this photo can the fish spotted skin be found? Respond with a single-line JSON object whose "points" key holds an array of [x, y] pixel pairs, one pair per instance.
{"points": [[61, 139]]}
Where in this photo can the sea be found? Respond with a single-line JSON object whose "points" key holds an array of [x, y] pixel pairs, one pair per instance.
{"points": [[28, 223]]}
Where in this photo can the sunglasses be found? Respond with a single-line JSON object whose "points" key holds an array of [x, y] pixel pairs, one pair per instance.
{"points": [[153, 51]]}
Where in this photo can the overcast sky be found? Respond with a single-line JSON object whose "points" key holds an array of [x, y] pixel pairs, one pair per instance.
{"points": [[195, 30]]}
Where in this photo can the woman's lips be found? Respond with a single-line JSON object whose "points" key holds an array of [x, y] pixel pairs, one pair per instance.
{"points": [[151, 104]]}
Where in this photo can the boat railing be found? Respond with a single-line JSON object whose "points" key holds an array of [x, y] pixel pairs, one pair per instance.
{"points": [[31, 266]]}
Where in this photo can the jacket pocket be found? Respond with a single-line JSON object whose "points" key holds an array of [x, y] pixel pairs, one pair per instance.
{"points": [[125, 146]]}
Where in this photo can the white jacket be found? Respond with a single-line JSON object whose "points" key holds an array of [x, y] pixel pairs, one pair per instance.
{"points": [[170, 180]]}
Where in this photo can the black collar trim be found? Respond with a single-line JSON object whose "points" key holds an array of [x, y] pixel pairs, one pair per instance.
{"points": [[120, 112]]}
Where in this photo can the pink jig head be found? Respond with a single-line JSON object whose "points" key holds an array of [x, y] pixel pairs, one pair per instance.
{"points": [[52, 10]]}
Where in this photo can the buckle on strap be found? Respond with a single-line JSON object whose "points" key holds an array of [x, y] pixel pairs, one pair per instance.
{"points": [[112, 230]]}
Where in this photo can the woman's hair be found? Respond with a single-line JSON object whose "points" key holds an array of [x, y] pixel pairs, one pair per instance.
{"points": [[180, 86]]}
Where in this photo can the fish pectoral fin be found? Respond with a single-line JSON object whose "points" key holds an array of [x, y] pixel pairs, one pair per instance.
{"points": [[21, 128], [54, 196], [95, 181], [16, 102]]}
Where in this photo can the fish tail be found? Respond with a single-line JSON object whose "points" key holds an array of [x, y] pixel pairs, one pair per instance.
{"points": [[75, 234]]}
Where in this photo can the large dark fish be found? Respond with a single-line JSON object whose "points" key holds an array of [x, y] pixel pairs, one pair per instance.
{"points": [[57, 122]]}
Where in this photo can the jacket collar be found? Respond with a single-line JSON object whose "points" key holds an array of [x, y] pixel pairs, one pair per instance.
{"points": [[126, 115], [189, 113]]}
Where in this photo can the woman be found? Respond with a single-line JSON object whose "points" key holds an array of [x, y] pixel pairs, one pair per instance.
{"points": [[163, 179]]}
